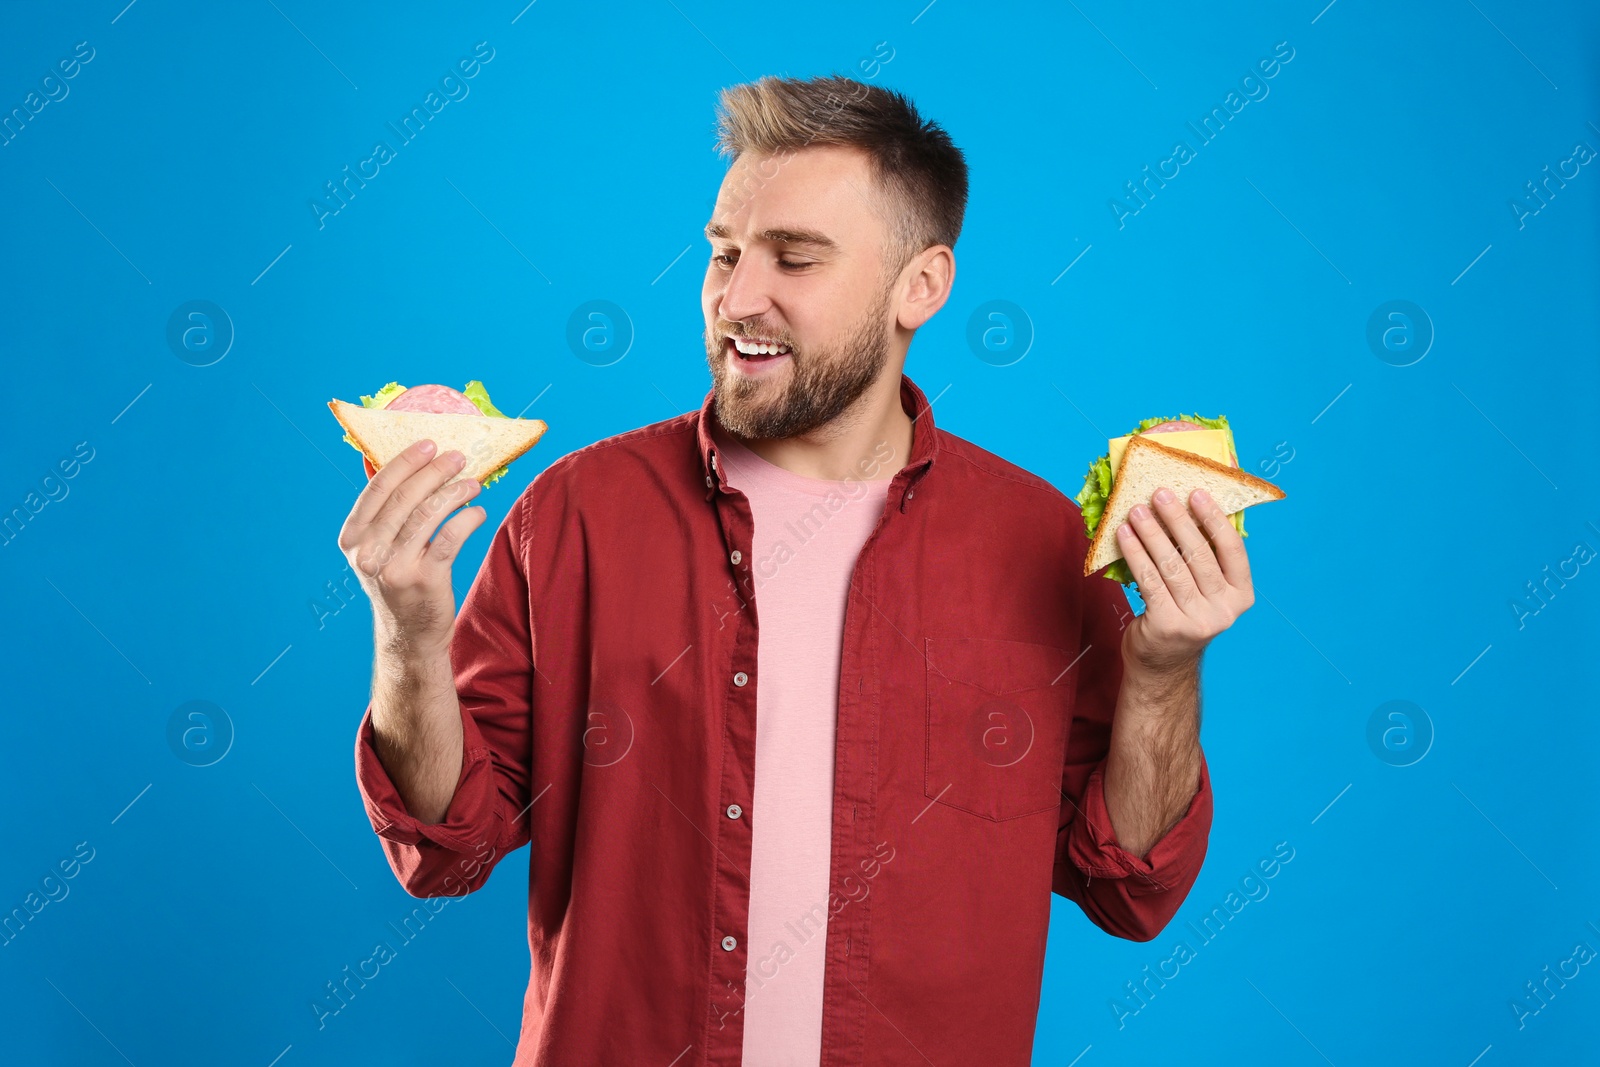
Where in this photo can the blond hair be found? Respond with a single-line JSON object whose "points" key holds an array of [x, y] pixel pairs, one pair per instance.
{"points": [[920, 173]]}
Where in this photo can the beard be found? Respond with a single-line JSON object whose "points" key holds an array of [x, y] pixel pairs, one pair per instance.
{"points": [[822, 382]]}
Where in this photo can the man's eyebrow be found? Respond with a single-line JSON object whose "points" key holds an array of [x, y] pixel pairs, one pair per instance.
{"points": [[716, 230]]}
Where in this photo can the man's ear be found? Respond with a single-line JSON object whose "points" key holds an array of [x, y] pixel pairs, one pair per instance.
{"points": [[925, 285]]}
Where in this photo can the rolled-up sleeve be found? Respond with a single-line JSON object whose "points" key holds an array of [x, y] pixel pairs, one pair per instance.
{"points": [[491, 654], [1126, 895]]}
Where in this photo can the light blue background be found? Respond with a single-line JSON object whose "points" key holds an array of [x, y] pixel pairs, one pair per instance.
{"points": [[183, 561]]}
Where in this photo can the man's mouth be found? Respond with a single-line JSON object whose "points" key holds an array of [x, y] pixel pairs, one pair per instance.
{"points": [[756, 350]]}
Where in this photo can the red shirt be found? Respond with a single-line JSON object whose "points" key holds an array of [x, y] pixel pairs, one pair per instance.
{"points": [[605, 660]]}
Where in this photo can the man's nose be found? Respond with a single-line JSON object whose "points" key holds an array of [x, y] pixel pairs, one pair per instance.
{"points": [[746, 294]]}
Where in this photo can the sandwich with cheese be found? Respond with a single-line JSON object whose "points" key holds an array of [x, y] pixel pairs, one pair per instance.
{"points": [[1184, 454], [385, 424]]}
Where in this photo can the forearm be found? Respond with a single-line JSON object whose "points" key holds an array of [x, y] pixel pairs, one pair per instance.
{"points": [[1153, 766], [416, 725]]}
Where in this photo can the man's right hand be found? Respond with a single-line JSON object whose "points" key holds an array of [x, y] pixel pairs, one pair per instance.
{"points": [[386, 539]]}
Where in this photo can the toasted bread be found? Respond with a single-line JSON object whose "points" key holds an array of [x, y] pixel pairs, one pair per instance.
{"points": [[488, 443]]}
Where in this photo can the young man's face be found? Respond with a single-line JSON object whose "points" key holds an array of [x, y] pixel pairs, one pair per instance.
{"points": [[798, 261]]}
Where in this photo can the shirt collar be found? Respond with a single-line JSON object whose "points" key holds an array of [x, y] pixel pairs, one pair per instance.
{"points": [[924, 442]]}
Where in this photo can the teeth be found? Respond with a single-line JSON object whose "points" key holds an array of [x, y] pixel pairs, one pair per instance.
{"points": [[750, 348]]}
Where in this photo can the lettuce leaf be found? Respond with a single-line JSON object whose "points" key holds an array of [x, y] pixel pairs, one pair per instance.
{"points": [[476, 393], [1096, 491], [384, 395], [1117, 570]]}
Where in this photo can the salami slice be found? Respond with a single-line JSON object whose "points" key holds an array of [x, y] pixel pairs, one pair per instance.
{"points": [[438, 399]]}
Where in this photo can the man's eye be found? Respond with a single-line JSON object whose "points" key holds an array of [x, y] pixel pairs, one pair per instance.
{"points": [[726, 259]]}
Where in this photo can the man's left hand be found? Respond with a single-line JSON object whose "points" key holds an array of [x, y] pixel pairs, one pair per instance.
{"points": [[1192, 590]]}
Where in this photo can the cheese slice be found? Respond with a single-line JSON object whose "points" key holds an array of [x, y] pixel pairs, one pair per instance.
{"points": [[1212, 444]]}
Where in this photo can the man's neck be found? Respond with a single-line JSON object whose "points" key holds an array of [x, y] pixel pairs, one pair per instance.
{"points": [[869, 441]]}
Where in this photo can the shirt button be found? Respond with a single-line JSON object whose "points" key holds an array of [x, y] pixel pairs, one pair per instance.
{"points": [[729, 944], [708, 481], [910, 493], [734, 811], [740, 678], [736, 557]]}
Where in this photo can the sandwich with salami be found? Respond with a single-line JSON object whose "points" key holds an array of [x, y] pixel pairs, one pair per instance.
{"points": [[385, 424], [1184, 454]]}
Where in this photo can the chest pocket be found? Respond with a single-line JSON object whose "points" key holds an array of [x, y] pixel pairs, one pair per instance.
{"points": [[997, 725]]}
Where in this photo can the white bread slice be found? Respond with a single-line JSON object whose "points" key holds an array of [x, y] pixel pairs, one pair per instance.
{"points": [[1148, 465], [488, 443]]}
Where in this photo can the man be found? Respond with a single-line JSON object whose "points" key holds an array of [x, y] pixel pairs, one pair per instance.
{"points": [[802, 703]]}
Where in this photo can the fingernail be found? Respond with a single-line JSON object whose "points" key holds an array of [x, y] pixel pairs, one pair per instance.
{"points": [[1139, 512], [455, 458], [1124, 531], [425, 447], [1200, 497], [1164, 495]]}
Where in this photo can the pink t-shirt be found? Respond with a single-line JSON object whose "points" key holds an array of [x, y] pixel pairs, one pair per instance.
{"points": [[808, 533]]}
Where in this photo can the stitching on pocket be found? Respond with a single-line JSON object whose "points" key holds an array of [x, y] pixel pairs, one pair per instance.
{"points": [[995, 726]]}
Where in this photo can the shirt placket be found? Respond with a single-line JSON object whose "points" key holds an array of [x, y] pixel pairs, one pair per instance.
{"points": [[734, 686], [855, 784]]}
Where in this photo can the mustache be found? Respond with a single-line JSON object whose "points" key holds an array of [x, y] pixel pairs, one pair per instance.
{"points": [[735, 330]]}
